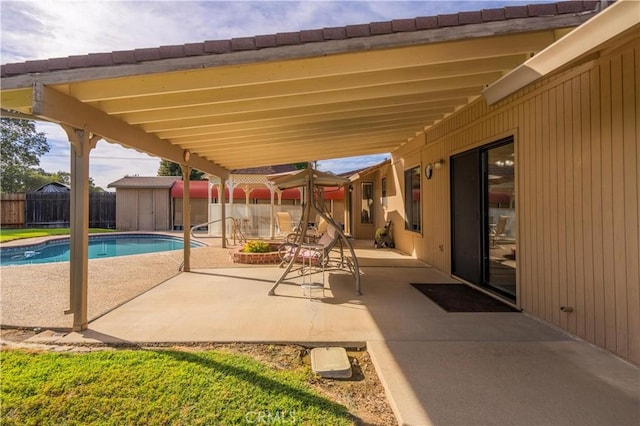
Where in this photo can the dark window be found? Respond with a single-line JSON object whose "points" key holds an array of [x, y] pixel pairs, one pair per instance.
{"points": [[384, 192], [412, 196], [366, 214]]}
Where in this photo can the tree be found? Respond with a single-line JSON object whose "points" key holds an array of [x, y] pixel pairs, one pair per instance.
{"points": [[168, 168], [300, 166], [21, 150], [35, 178]]}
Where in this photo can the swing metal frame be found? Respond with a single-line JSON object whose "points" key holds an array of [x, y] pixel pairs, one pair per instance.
{"points": [[313, 181]]}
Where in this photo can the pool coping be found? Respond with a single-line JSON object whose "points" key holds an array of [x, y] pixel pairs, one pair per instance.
{"points": [[37, 242]]}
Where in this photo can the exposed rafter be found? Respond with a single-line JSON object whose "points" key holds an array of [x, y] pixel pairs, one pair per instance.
{"points": [[54, 106], [235, 105]]}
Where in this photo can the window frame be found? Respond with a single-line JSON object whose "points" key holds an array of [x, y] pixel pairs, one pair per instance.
{"points": [[383, 190], [413, 213], [369, 209]]}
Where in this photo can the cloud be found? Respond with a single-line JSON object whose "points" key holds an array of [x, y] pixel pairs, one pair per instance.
{"points": [[107, 162], [349, 164], [48, 29]]}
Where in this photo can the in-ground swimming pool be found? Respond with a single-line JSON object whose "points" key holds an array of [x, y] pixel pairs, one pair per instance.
{"points": [[100, 246]]}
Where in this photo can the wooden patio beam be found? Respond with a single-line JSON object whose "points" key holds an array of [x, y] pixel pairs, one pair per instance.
{"points": [[60, 108]]}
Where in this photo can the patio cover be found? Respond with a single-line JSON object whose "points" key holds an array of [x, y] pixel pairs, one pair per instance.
{"points": [[275, 99], [287, 97]]}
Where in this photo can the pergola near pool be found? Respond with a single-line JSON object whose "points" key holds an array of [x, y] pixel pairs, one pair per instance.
{"points": [[280, 98]]}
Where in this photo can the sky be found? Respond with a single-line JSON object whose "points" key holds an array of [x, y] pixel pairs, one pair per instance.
{"points": [[43, 29]]}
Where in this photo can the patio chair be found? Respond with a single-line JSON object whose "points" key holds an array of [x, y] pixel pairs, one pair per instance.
{"points": [[499, 231], [326, 242], [285, 224], [321, 229]]}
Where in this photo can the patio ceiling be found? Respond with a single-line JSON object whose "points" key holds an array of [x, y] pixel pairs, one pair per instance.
{"points": [[247, 106]]}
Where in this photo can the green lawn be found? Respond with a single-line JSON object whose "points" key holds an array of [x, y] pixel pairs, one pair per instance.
{"points": [[16, 234], [116, 387]]}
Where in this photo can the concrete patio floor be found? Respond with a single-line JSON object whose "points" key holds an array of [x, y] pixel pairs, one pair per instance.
{"points": [[437, 368]]}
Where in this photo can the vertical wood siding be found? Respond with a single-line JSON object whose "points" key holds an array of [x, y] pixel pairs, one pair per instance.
{"points": [[162, 209], [578, 191], [127, 209]]}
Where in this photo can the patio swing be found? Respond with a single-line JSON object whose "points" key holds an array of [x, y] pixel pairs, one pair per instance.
{"points": [[313, 182]]}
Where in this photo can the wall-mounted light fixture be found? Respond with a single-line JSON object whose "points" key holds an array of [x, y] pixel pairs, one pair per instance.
{"points": [[428, 170]]}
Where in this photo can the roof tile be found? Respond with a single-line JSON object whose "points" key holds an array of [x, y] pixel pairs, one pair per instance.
{"points": [[78, 61], [100, 59], [489, 15], [41, 65], [58, 64], [217, 46], [268, 40], [403, 25], [284, 39], [448, 20], [194, 49], [176, 51], [378, 28], [545, 9], [511, 12], [243, 43], [124, 57], [589, 4], [334, 33], [426, 22], [358, 31], [294, 38], [570, 6], [12, 69], [470, 17], [307, 36], [149, 54]]}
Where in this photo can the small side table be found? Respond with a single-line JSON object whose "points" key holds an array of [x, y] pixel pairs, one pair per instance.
{"points": [[312, 252]]}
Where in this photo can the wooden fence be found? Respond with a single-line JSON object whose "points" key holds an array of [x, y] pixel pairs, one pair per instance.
{"points": [[12, 207], [53, 210]]}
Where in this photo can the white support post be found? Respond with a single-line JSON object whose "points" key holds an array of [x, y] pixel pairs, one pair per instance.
{"points": [[209, 187], [272, 222], [247, 194], [231, 185], [81, 144], [186, 217], [223, 211]]}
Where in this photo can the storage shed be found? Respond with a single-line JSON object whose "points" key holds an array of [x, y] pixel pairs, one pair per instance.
{"points": [[143, 202]]}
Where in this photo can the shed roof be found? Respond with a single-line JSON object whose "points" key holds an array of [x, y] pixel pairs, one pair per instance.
{"points": [[288, 97], [53, 187], [142, 182]]}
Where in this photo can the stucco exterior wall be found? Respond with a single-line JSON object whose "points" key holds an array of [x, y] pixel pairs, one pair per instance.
{"points": [[577, 191]]}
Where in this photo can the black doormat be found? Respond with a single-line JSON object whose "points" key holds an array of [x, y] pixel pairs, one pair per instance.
{"points": [[462, 298]]}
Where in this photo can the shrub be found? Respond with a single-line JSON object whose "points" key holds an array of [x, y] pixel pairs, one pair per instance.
{"points": [[256, 247]]}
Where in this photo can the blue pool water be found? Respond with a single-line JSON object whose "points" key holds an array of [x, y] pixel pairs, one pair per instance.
{"points": [[100, 246]]}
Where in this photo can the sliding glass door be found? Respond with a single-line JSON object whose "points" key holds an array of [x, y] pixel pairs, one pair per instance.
{"points": [[500, 216], [483, 219], [466, 199]]}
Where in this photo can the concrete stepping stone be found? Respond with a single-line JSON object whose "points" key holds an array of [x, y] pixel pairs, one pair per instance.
{"points": [[331, 363]]}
